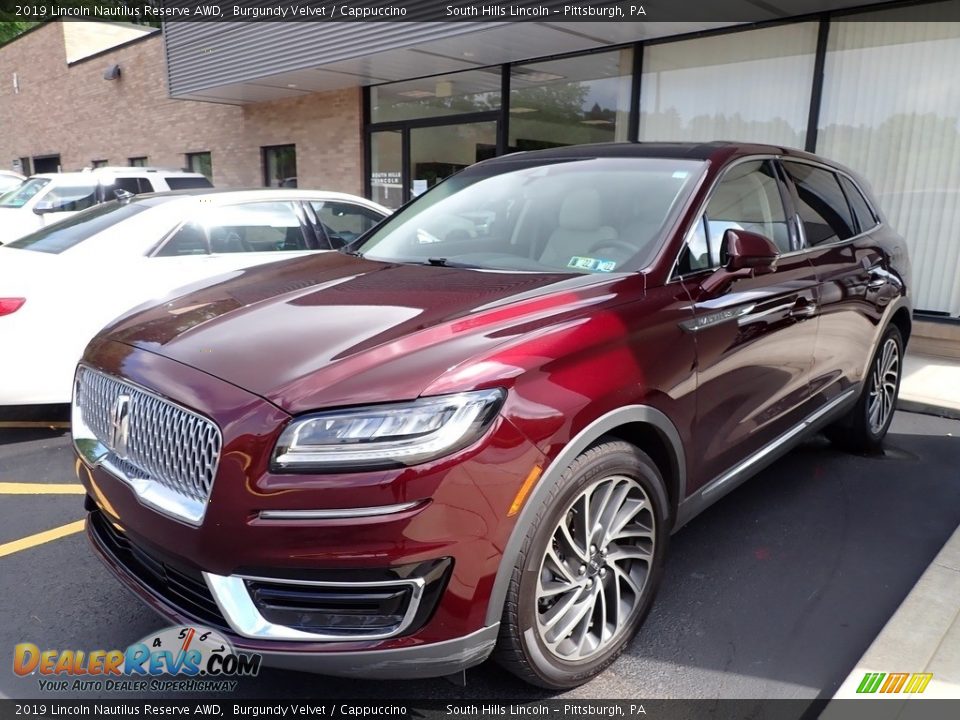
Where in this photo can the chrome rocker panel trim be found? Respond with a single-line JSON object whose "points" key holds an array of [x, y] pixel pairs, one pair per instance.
{"points": [[744, 470]]}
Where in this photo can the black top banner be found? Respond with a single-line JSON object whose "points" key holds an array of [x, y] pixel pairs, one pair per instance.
{"points": [[557, 11]]}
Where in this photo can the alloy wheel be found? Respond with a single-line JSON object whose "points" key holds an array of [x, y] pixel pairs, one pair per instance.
{"points": [[883, 386], [595, 568]]}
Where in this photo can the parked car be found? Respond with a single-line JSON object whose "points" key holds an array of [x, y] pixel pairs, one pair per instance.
{"points": [[46, 198], [61, 284], [474, 431], [9, 180]]}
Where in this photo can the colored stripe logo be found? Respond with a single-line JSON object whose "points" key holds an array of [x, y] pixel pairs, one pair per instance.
{"points": [[894, 683]]}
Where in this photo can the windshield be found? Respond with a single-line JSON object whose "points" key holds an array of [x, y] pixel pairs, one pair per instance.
{"points": [[596, 215], [20, 196], [9, 182], [75, 229]]}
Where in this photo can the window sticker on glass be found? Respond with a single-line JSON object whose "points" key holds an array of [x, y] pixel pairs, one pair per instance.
{"points": [[591, 264], [680, 175]]}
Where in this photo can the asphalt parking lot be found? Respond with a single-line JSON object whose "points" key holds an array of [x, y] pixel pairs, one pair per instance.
{"points": [[775, 592]]}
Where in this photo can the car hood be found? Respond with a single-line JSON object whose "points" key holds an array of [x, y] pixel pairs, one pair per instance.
{"points": [[17, 222], [337, 330]]}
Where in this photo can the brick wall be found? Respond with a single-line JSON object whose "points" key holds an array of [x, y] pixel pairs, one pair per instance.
{"points": [[72, 111]]}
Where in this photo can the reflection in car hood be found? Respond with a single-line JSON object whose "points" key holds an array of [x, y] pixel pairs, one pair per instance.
{"points": [[17, 224], [334, 329]]}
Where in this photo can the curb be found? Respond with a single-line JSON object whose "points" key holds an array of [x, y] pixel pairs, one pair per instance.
{"points": [[927, 408], [921, 637]]}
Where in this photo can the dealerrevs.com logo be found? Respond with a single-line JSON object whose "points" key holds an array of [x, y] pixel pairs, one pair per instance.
{"points": [[182, 658]]}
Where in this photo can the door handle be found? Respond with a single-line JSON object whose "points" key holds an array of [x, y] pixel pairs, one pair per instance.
{"points": [[803, 309]]}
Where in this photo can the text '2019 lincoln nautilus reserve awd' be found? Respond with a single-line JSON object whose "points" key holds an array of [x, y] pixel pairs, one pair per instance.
{"points": [[473, 430]]}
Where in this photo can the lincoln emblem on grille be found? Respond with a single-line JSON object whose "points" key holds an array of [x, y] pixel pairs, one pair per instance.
{"points": [[120, 426]]}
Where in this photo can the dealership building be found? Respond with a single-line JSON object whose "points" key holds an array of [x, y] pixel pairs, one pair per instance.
{"points": [[389, 109]]}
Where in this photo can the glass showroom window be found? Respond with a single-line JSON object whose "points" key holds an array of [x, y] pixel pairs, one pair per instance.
{"points": [[201, 162], [584, 99], [386, 168], [455, 94], [751, 86], [889, 110], [280, 166]]}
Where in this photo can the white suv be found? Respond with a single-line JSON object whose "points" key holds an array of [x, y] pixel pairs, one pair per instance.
{"points": [[46, 198]]}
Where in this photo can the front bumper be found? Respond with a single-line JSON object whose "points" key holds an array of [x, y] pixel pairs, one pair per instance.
{"points": [[454, 512], [182, 596]]}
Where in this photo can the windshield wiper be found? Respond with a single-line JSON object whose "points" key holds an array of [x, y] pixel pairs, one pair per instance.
{"points": [[353, 253], [445, 262]]}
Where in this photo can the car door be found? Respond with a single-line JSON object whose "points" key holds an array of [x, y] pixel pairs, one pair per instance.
{"points": [[850, 272], [754, 335]]}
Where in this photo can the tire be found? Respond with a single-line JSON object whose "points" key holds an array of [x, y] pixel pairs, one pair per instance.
{"points": [[533, 644], [861, 430]]}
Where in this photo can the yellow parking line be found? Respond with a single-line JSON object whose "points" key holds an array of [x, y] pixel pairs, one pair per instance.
{"points": [[41, 538], [12, 488], [34, 424]]}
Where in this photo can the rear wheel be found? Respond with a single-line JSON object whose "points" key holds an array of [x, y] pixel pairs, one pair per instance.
{"points": [[588, 570], [864, 428]]}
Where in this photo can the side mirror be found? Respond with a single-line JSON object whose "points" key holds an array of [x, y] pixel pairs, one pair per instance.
{"points": [[742, 254]]}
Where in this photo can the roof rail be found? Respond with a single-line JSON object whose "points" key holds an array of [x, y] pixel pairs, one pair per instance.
{"points": [[128, 168]]}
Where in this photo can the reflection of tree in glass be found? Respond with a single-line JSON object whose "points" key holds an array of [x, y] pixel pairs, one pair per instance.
{"points": [[10, 28], [669, 125], [564, 102]]}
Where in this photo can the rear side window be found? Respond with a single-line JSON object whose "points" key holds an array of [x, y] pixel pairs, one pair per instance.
{"points": [[135, 185], [75, 229], [821, 204], [187, 183], [866, 220]]}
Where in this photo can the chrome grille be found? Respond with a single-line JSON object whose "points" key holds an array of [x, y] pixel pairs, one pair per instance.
{"points": [[168, 449]]}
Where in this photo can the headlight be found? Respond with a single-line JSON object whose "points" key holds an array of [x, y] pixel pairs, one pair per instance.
{"points": [[385, 436]]}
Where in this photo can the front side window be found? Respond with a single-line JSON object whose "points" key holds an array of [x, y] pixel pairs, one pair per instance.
{"points": [[68, 198], [251, 227], [20, 196], [746, 198], [576, 216], [821, 204], [344, 222]]}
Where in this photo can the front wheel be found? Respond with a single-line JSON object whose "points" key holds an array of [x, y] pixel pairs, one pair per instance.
{"points": [[588, 569], [864, 428]]}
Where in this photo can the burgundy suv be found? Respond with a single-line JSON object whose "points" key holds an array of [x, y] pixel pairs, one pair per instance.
{"points": [[474, 430]]}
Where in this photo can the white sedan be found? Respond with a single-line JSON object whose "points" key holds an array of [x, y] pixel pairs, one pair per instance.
{"points": [[61, 284]]}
